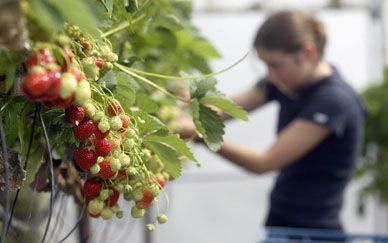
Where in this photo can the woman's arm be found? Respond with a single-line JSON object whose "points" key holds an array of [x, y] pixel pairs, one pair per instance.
{"points": [[295, 141], [249, 99]]}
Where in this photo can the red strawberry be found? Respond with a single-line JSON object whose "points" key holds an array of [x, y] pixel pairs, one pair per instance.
{"points": [[115, 108], [59, 102], [100, 63], [84, 130], [105, 170], [69, 56], [99, 134], [36, 84], [147, 199], [160, 180], [75, 114], [103, 146], [92, 188], [78, 74], [126, 121], [86, 45], [43, 58], [85, 158], [55, 85], [113, 198]]}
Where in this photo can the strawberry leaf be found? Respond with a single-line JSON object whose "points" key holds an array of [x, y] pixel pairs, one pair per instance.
{"points": [[209, 124], [172, 141], [148, 124], [228, 106], [168, 156]]}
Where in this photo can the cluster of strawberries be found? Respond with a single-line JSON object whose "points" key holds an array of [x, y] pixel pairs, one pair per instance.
{"points": [[108, 144], [54, 82]]}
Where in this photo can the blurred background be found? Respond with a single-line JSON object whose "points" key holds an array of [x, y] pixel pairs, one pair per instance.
{"points": [[221, 203]]}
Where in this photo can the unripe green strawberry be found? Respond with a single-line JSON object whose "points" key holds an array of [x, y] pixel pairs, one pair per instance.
{"points": [[90, 68], [99, 115], [83, 93], [90, 109], [106, 213], [115, 208], [124, 159], [147, 153], [100, 159], [128, 188], [108, 65], [131, 133], [137, 212], [150, 227], [104, 194], [162, 218], [116, 123], [137, 195], [155, 165], [68, 85], [94, 53], [112, 57], [166, 175], [103, 126], [120, 214], [155, 190], [95, 206], [128, 196], [105, 50], [119, 187], [95, 168], [131, 171], [128, 144], [115, 164]]}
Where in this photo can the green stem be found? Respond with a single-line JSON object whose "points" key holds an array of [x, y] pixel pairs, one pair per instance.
{"points": [[149, 82], [122, 26], [187, 77]]}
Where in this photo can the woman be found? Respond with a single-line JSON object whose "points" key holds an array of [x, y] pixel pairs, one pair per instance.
{"points": [[320, 124]]}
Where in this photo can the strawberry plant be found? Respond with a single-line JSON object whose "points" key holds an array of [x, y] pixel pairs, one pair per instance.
{"points": [[106, 82]]}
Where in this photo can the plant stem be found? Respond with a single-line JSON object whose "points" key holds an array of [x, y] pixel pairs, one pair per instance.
{"points": [[149, 82], [187, 77], [122, 26]]}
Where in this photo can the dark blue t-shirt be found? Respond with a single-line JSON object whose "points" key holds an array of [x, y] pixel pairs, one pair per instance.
{"points": [[309, 192]]}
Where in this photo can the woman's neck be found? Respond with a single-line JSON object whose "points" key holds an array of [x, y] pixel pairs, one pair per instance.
{"points": [[322, 70]]}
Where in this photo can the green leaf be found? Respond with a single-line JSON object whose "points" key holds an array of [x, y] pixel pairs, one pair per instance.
{"points": [[148, 124], [228, 106], [146, 103], [71, 12], [125, 90], [45, 15], [203, 48], [9, 63], [209, 124], [168, 156], [11, 131], [172, 141], [199, 88], [169, 21], [109, 7]]}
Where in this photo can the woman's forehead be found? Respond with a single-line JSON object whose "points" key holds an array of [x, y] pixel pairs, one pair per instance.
{"points": [[270, 55]]}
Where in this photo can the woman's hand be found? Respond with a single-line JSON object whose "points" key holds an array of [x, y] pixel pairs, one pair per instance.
{"points": [[185, 127]]}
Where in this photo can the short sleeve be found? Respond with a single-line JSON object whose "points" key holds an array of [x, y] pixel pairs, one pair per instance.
{"points": [[329, 111], [267, 88]]}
